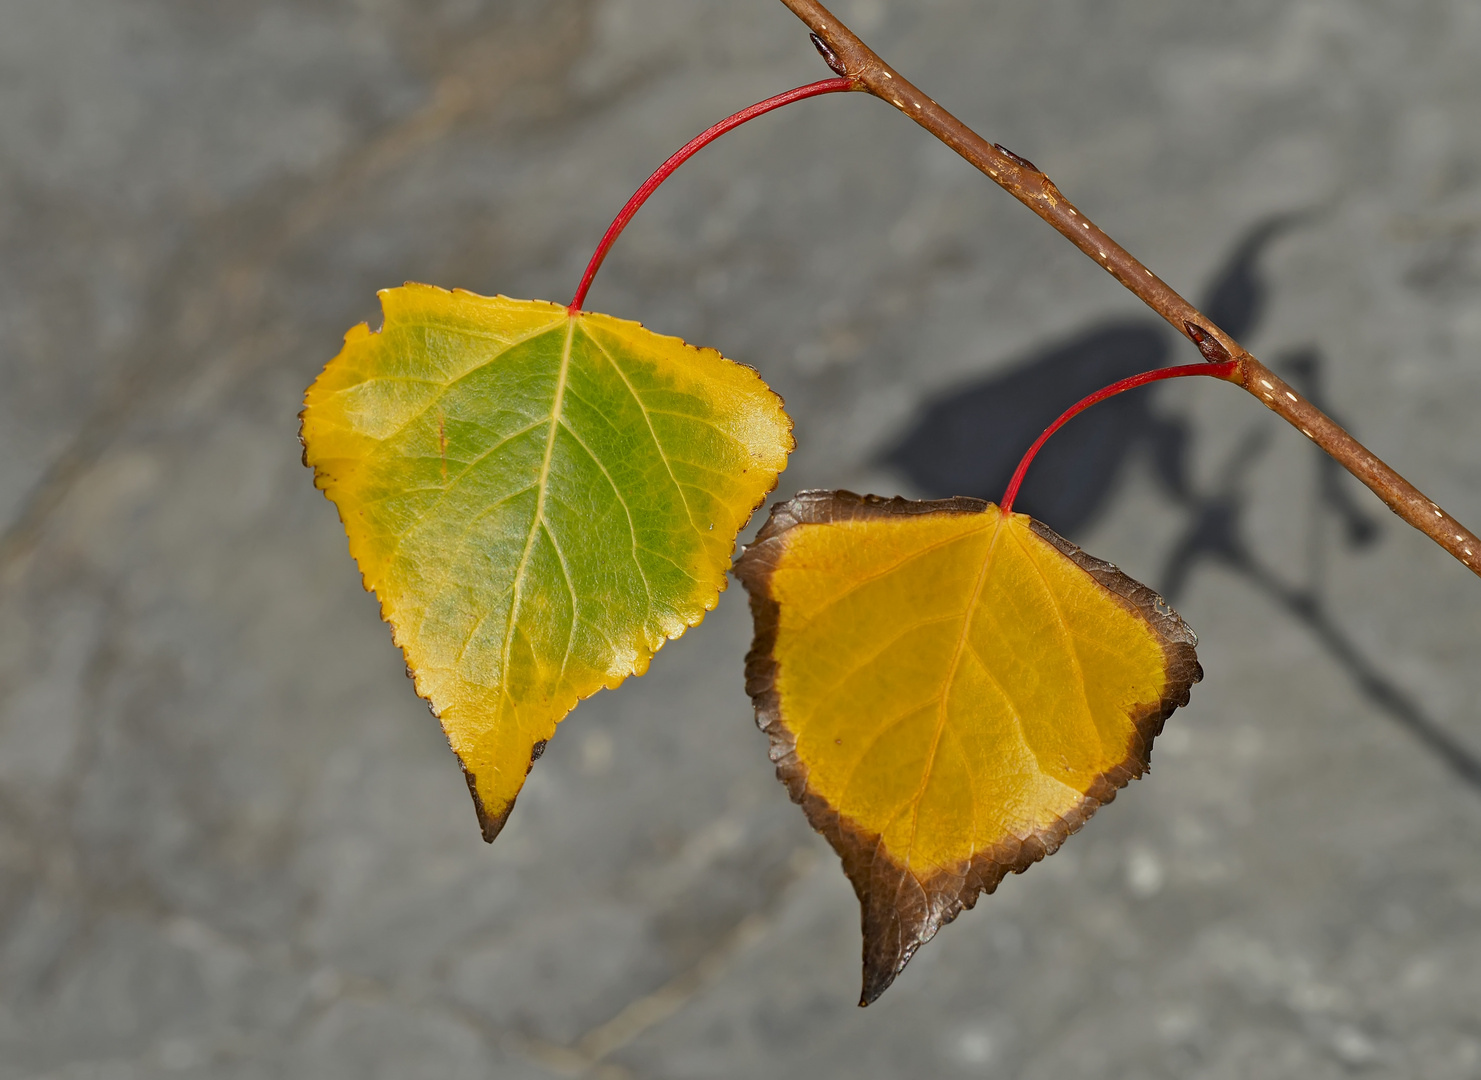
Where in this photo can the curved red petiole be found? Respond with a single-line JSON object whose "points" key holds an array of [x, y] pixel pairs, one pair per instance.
{"points": [[694, 146], [1219, 371]]}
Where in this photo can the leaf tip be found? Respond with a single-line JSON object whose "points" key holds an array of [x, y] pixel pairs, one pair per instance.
{"points": [[491, 825]]}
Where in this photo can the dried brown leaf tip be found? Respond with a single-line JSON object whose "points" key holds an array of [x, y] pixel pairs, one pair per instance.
{"points": [[949, 694]]}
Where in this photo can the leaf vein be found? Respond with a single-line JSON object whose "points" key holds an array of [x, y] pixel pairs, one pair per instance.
{"points": [[1069, 639], [648, 420], [447, 489], [622, 501], [869, 579], [699, 420], [450, 383], [541, 484], [869, 745], [575, 603], [946, 685], [874, 655]]}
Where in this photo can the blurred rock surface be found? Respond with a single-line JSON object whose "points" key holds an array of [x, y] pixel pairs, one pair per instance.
{"points": [[234, 845]]}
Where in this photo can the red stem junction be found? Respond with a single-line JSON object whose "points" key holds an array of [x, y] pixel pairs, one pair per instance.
{"points": [[692, 147], [1224, 370]]}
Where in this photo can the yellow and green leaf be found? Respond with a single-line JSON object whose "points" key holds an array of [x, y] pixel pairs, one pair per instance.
{"points": [[539, 499], [949, 694]]}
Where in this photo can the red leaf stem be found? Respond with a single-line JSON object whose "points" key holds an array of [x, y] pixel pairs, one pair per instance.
{"points": [[692, 147], [1219, 371]]}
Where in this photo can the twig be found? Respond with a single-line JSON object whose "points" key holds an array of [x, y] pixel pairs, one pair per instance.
{"points": [[850, 57]]}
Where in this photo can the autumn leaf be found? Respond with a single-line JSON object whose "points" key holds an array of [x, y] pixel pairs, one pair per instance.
{"points": [[539, 498], [949, 694]]}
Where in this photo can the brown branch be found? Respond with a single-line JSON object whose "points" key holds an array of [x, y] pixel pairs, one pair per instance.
{"points": [[847, 55]]}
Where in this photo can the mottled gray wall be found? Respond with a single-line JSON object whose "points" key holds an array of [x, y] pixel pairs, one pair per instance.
{"points": [[233, 843]]}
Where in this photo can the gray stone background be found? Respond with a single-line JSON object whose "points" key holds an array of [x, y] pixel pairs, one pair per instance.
{"points": [[234, 844]]}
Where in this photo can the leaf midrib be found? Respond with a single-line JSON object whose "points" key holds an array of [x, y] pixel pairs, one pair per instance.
{"points": [[539, 519], [956, 660]]}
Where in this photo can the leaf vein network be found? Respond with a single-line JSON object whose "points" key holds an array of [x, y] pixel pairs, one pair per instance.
{"points": [[570, 588], [622, 501], [450, 383], [672, 562], [541, 485], [997, 683], [648, 420], [1017, 715], [874, 655], [466, 529], [468, 640], [729, 435], [1068, 637], [869, 579], [455, 481], [869, 744], [963, 640]]}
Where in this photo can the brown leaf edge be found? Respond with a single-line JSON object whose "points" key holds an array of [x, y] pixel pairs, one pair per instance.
{"points": [[901, 912], [491, 825]]}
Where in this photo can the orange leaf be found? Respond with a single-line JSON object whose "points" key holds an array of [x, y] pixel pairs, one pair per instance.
{"points": [[949, 694]]}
